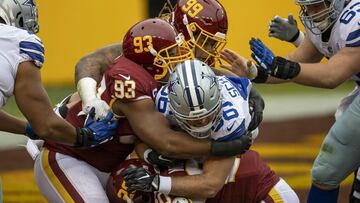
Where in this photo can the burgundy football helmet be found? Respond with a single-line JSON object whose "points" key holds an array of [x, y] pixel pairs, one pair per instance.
{"points": [[155, 44], [204, 24], [116, 189]]}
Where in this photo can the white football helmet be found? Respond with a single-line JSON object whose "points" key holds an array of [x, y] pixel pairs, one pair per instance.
{"points": [[20, 13], [320, 21], [195, 98]]}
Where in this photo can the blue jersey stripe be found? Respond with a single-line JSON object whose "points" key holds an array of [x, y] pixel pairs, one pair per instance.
{"points": [[241, 84], [353, 35], [238, 132], [34, 56], [355, 44], [32, 45]]}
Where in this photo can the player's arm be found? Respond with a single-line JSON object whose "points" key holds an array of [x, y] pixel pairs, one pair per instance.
{"points": [[311, 73], [94, 64], [11, 124], [305, 53], [205, 185], [88, 72], [154, 130], [34, 103], [332, 73]]}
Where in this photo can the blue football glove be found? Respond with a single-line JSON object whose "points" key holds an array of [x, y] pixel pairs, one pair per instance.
{"points": [[101, 130], [274, 65], [263, 56]]}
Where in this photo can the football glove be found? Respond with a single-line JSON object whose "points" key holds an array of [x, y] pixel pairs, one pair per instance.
{"points": [[141, 180], [256, 105], [284, 29], [101, 108], [96, 132], [154, 158], [275, 66]]}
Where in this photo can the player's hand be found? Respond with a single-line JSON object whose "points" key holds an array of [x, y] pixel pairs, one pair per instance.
{"points": [[263, 56], [96, 132], [276, 66], [239, 65], [284, 29], [101, 108], [140, 179], [256, 105], [154, 158]]}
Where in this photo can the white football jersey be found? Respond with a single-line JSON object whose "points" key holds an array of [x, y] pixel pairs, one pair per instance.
{"points": [[235, 108], [16, 46], [345, 33]]}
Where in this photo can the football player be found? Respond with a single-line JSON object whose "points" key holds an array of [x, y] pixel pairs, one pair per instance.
{"points": [[203, 23], [332, 31], [216, 108], [21, 58], [151, 48]]}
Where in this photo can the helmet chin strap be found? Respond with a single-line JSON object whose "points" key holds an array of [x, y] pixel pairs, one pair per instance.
{"points": [[186, 23]]}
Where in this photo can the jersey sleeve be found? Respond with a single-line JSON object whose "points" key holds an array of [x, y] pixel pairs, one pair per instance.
{"points": [[353, 39], [31, 48], [243, 85], [350, 20]]}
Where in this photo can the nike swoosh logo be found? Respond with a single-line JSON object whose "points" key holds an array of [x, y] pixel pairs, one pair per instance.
{"points": [[145, 176], [230, 127], [125, 77]]}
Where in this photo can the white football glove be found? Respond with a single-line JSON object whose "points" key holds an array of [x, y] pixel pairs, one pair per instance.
{"points": [[87, 90], [101, 108]]}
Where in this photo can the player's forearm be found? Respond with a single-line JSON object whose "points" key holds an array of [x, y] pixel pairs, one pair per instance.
{"points": [[180, 145], [11, 124], [58, 130], [320, 75], [154, 130], [140, 148], [195, 186], [94, 64], [206, 185]]}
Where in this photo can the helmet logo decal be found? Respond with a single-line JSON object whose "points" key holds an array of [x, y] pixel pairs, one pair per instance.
{"points": [[192, 8], [139, 44]]}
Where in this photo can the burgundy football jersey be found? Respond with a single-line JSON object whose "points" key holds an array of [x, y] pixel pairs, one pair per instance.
{"points": [[126, 81], [251, 181]]}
